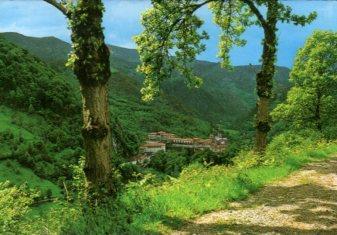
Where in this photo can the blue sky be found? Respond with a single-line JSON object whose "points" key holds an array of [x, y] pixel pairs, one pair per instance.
{"points": [[121, 21]]}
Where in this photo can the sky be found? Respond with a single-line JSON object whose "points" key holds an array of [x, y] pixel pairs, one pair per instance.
{"points": [[122, 22]]}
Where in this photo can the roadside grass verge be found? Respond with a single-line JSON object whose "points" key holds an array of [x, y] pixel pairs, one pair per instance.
{"points": [[149, 207], [198, 190]]}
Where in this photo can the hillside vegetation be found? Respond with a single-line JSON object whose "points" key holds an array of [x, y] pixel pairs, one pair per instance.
{"points": [[226, 97]]}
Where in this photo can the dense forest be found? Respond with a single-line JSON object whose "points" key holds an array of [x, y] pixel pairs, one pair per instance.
{"points": [[75, 116]]}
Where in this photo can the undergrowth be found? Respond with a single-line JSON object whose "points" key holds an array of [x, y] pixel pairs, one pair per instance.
{"points": [[199, 189], [152, 208]]}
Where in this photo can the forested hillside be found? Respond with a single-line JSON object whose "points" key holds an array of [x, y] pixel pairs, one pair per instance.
{"points": [[225, 97], [39, 131], [33, 92]]}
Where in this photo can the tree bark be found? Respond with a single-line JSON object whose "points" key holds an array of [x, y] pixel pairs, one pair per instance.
{"points": [[263, 125], [265, 77], [92, 67], [97, 141], [318, 111]]}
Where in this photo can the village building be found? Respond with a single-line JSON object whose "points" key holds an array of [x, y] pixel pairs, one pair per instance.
{"points": [[151, 147], [162, 141], [218, 143], [161, 136]]}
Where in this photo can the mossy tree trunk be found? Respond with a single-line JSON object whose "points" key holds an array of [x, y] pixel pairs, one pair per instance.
{"points": [[265, 77], [91, 65], [90, 62]]}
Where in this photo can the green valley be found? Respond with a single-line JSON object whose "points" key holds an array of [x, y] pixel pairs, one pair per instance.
{"points": [[100, 139]]}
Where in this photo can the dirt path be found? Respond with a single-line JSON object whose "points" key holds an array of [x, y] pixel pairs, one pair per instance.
{"points": [[303, 203]]}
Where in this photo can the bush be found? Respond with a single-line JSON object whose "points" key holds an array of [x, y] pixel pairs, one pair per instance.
{"points": [[129, 171], [14, 204], [173, 162], [287, 143], [107, 219], [246, 160], [208, 157]]}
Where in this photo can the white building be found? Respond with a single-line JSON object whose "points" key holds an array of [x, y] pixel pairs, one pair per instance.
{"points": [[152, 147]]}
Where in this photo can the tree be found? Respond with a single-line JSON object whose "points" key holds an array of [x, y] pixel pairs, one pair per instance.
{"points": [[90, 62], [312, 101], [172, 39]]}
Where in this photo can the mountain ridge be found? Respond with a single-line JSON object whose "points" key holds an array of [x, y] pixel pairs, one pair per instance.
{"points": [[14, 36]]}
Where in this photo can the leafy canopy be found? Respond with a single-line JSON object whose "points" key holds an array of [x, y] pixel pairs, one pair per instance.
{"points": [[172, 36], [312, 101]]}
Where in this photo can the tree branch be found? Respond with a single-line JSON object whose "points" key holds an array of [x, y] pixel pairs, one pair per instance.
{"points": [[189, 12], [230, 16], [256, 11], [180, 21], [197, 6], [59, 6]]}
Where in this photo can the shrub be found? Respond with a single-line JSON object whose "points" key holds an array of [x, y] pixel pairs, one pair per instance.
{"points": [[288, 143], [208, 157], [247, 159], [107, 219], [173, 162], [14, 204]]}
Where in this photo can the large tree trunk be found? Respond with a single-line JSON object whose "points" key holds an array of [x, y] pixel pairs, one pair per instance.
{"points": [[265, 77], [92, 68], [97, 141]]}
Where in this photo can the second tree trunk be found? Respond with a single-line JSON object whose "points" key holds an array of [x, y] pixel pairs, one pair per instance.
{"points": [[264, 78]]}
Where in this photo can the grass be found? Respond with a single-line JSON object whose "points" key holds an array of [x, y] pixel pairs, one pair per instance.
{"points": [[6, 123], [11, 170], [148, 208], [200, 190], [18, 175]]}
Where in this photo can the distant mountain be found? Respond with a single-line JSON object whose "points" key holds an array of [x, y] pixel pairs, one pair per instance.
{"points": [[226, 97]]}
